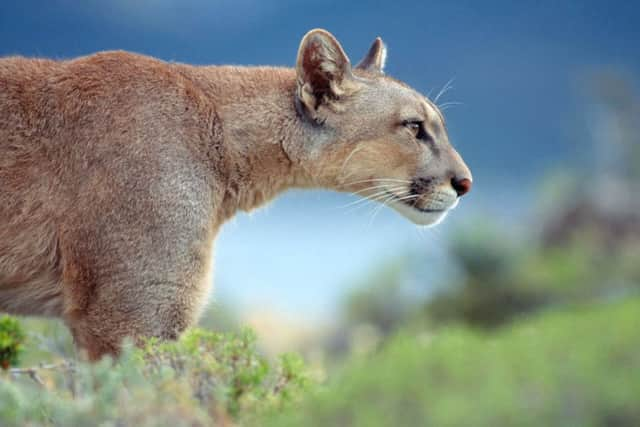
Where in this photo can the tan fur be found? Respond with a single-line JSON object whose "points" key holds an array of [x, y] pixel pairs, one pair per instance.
{"points": [[117, 170]]}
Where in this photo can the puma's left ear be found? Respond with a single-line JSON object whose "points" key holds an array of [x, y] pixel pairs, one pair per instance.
{"points": [[376, 58], [323, 70]]}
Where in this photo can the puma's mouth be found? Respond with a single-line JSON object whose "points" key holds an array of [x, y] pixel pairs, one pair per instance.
{"points": [[420, 211], [413, 203]]}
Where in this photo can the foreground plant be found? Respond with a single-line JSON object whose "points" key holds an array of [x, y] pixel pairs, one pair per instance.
{"points": [[205, 378], [11, 341]]}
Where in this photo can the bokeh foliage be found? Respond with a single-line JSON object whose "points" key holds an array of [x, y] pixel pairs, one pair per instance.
{"points": [[580, 367], [504, 277]]}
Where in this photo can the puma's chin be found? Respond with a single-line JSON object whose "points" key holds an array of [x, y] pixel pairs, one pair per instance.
{"points": [[419, 217], [428, 215]]}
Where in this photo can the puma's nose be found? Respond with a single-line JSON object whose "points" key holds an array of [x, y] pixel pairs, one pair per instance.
{"points": [[461, 185]]}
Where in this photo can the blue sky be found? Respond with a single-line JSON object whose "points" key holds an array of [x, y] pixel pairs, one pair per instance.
{"points": [[519, 69]]}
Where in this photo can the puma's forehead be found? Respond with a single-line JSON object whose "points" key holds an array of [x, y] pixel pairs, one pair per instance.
{"points": [[412, 104], [422, 108]]}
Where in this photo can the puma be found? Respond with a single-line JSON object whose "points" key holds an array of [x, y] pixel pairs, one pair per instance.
{"points": [[117, 171]]}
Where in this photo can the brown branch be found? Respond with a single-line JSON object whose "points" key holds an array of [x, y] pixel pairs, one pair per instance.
{"points": [[33, 372]]}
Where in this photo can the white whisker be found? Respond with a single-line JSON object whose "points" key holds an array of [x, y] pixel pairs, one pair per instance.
{"points": [[377, 209], [344, 164], [373, 197], [374, 187], [444, 90], [379, 199], [376, 180], [448, 103], [409, 197]]}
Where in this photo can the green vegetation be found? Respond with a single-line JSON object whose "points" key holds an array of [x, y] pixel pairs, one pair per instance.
{"points": [[11, 342], [576, 368], [206, 378]]}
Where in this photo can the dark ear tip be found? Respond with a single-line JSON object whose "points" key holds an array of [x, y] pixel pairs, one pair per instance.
{"points": [[318, 34], [379, 43]]}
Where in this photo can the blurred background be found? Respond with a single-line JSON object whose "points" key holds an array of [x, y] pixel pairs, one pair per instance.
{"points": [[521, 309], [543, 105]]}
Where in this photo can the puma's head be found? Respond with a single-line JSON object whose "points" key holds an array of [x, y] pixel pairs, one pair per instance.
{"points": [[372, 135]]}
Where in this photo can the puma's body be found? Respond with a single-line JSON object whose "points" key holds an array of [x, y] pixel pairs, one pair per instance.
{"points": [[117, 170]]}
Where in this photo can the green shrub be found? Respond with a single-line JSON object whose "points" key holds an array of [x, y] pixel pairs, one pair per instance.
{"points": [[11, 341], [205, 378], [576, 368]]}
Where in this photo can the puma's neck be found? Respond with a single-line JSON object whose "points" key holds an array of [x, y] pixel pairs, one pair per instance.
{"points": [[260, 128]]}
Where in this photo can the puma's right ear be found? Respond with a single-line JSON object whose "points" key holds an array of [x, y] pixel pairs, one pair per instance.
{"points": [[376, 58], [322, 68]]}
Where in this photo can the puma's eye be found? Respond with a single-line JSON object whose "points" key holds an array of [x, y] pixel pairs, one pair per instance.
{"points": [[413, 126], [417, 128]]}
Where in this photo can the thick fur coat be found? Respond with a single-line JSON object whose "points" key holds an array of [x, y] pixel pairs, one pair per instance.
{"points": [[117, 170]]}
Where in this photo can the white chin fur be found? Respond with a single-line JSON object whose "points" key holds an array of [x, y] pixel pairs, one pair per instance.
{"points": [[418, 217]]}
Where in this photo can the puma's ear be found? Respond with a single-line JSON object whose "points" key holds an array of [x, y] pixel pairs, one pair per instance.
{"points": [[376, 58], [323, 69]]}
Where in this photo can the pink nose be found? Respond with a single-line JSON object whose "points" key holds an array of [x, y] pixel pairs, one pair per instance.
{"points": [[462, 186]]}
